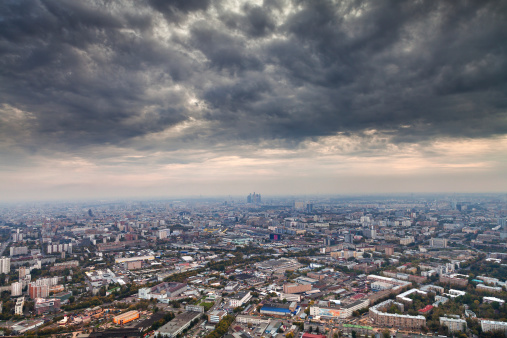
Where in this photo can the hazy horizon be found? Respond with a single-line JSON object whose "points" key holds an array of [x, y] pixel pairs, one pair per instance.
{"points": [[147, 99]]}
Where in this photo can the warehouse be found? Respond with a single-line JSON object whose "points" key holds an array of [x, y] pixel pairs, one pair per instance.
{"points": [[126, 317], [178, 324], [276, 309]]}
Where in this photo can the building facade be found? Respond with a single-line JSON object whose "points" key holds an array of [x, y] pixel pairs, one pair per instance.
{"points": [[5, 265], [296, 288], [454, 324], [380, 317], [489, 325]]}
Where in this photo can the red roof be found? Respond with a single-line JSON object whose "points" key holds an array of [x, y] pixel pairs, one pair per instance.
{"points": [[309, 335], [426, 308]]}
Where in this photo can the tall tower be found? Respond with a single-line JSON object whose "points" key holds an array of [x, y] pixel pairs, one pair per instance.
{"points": [[5, 265]]}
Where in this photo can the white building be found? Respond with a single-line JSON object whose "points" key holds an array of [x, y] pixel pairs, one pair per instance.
{"points": [[378, 286], [18, 308], [492, 300], [455, 293], [240, 299], [489, 325], [5, 265], [16, 251], [16, 289]]}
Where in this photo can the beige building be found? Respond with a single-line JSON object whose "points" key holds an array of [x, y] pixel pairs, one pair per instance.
{"points": [[377, 314], [296, 288], [453, 324]]}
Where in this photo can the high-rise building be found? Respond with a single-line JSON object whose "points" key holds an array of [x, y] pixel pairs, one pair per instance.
{"points": [[38, 291], [370, 233], [16, 289], [59, 248], [18, 308], [503, 223], [23, 271], [349, 238], [309, 208], [17, 251], [389, 250], [5, 265], [17, 237]]}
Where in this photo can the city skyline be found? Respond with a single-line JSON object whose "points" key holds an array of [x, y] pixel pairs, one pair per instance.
{"points": [[159, 99]]}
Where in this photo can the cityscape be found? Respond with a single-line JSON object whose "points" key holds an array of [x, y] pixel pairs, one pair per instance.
{"points": [[253, 169], [257, 266]]}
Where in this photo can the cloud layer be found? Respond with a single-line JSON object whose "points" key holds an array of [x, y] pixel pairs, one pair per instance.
{"points": [[188, 82]]}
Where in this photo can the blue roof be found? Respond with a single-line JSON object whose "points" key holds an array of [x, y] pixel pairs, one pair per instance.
{"points": [[275, 309]]}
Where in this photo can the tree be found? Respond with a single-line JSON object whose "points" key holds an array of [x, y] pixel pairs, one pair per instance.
{"points": [[354, 334]]}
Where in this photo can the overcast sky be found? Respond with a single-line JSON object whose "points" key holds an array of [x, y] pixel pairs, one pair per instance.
{"points": [[200, 97]]}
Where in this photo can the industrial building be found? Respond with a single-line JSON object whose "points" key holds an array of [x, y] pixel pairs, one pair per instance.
{"points": [[276, 309], [216, 316], [252, 319], [126, 317], [296, 288], [178, 324], [47, 305]]}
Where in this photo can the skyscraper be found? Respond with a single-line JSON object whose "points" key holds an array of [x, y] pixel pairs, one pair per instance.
{"points": [[254, 198]]}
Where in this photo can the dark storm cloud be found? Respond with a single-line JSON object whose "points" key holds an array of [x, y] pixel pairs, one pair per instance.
{"points": [[177, 10], [88, 73]]}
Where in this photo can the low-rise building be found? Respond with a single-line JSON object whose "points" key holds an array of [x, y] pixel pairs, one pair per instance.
{"points": [[216, 316], [178, 324], [483, 287], [380, 317], [453, 324], [252, 319], [126, 317], [492, 300], [296, 288], [47, 305], [240, 298], [454, 279], [489, 325]]}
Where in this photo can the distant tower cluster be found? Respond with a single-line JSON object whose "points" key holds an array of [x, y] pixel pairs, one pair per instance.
{"points": [[254, 198]]}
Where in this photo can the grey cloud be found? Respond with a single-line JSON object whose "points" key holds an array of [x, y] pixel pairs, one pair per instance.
{"points": [[176, 10], [103, 73], [255, 21]]}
